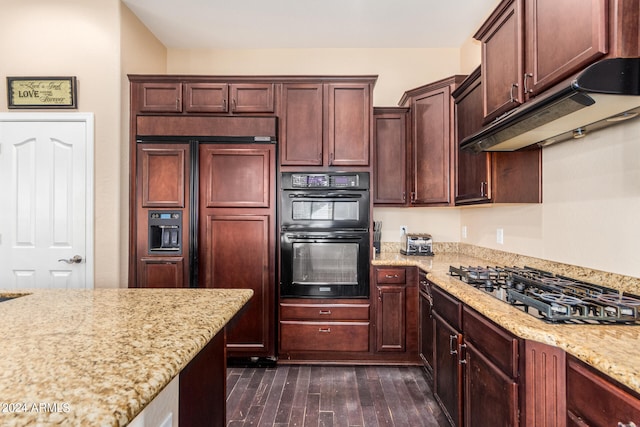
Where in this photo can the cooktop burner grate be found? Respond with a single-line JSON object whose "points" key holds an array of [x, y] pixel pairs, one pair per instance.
{"points": [[553, 298]]}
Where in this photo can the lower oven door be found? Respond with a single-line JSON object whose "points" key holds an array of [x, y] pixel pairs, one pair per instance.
{"points": [[333, 264]]}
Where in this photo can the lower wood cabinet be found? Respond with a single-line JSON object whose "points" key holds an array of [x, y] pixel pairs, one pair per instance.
{"points": [[397, 309], [595, 400], [324, 329], [486, 376]]}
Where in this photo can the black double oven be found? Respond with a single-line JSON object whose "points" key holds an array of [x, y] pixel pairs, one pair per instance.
{"points": [[324, 235]]}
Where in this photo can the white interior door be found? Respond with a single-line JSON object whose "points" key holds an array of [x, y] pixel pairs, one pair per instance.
{"points": [[46, 224]]}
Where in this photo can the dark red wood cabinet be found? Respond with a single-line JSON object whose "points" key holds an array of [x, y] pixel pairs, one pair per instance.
{"points": [[498, 177], [593, 399], [432, 142], [390, 140], [396, 307]]}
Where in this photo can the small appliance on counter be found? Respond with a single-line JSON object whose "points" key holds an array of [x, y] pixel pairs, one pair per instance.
{"points": [[419, 244]]}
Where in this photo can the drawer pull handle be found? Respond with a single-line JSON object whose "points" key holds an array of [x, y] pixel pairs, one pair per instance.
{"points": [[453, 339], [324, 312], [390, 276], [324, 330], [629, 424]]}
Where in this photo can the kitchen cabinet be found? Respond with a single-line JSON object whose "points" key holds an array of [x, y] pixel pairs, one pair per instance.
{"points": [[178, 95], [162, 179], [326, 124], [397, 311], [497, 177], [237, 235], [324, 329], [432, 142], [229, 98], [490, 372], [593, 399], [390, 139], [484, 375], [447, 370], [426, 321], [530, 45]]}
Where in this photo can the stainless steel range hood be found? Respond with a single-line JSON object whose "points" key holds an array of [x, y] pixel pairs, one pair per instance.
{"points": [[605, 93]]}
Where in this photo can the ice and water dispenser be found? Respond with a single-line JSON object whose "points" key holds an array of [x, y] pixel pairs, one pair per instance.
{"points": [[165, 232]]}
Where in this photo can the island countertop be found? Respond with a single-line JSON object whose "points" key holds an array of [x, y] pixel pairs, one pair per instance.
{"points": [[612, 349], [98, 357]]}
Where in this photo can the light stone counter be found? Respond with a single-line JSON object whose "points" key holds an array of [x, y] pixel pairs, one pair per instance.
{"points": [[612, 349], [98, 357]]}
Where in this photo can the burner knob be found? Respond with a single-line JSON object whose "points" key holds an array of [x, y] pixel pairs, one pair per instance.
{"points": [[488, 286], [520, 286], [509, 283]]}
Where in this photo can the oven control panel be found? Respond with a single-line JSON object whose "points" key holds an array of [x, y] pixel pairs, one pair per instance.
{"points": [[305, 180]]}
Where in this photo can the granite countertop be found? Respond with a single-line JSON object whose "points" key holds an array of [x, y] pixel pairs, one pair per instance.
{"points": [[612, 349], [98, 357]]}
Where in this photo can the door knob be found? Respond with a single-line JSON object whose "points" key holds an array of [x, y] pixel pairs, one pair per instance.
{"points": [[77, 259]]}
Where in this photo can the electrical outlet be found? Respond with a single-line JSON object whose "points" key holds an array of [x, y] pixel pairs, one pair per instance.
{"points": [[464, 231], [403, 230], [500, 236]]}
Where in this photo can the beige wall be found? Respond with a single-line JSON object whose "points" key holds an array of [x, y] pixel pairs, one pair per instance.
{"points": [[82, 39]]}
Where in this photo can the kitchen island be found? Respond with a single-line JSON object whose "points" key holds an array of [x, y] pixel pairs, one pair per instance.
{"points": [[610, 349], [99, 357]]}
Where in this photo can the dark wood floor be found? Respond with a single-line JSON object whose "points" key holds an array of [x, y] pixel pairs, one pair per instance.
{"points": [[331, 396]]}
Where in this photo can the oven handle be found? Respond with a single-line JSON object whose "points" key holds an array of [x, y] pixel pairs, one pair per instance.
{"points": [[324, 236], [325, 196]]}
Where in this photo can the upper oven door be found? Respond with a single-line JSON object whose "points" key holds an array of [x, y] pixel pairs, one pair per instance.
{"points": [[325, 209]]}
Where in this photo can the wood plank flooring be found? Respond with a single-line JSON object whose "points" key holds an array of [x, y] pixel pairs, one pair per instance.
{"points": [[301, 395]]}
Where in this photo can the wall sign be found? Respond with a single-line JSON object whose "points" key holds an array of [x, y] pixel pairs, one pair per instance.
{"points": [[41, 92]]}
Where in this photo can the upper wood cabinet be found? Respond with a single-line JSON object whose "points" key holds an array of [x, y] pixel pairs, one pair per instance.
{"points": [[498, 177], [390, 138], [432, 142], [326, 124], [203, 96], [529, 45]]}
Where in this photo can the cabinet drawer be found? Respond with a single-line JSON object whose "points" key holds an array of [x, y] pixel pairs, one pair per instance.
{"points": [[324, 336], [391, 275], [324, 312], [594, 400], [495, 343], [449, 308]]}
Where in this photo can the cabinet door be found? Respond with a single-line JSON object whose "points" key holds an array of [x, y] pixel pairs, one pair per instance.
{"points": [[301, 125], [349, 124], [206, 98], [390, 157], [562, 37], [236, 176], [593, 400], [390, 318], [473, 169], [162, 175], [237, 237], [161, 97], [161, 272], [447, 372], [432, 145], [491, 397], [252, 98], [502, 61], [426, 323]]}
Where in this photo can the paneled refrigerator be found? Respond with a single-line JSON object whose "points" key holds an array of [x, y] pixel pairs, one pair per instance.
{"points": [[205, 216]]}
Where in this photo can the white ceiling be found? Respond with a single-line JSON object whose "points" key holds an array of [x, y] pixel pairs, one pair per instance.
{"points": [[269, 24]]}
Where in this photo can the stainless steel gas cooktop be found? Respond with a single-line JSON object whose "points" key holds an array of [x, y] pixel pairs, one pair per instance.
{"points": [[553, 298]]}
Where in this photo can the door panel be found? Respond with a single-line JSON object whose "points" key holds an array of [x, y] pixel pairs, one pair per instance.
{"points": [[43, 168], [236, 176]]}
